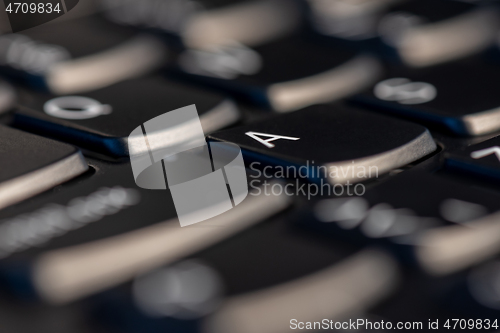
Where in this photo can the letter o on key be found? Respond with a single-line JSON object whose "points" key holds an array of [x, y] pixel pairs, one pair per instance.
{"points": [[75, 107]]}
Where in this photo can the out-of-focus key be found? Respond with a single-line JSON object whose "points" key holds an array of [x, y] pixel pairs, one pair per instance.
{"points": [[357, 283], [285, 276], [67, 274], [458, 97], [339, 291], [31, 164], [441, 225], [428, 32], [103, 119], [105, 230], [206, 23], [481, 159], [79, 55], [284, 75], [335, 142]]}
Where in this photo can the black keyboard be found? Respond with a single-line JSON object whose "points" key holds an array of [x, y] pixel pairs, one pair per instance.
{"points": [[251, 166]]}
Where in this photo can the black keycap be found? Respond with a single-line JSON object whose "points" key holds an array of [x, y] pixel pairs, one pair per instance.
{"points": [[78, 55], [458, 97], [332, 141], [152, 305], [102, 120], [481, 159], [427, 32], [106, 204], [102, 231], [284, 75], [441, 225], [238, 282], [31, 164], [206, 23], [341, 281], [7, 97]]}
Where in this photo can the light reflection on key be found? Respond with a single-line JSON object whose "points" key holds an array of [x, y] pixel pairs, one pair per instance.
{"points": [[199, 25], [421, 43], [337, 292], [448, 249], [68, 274], [48, 56]]}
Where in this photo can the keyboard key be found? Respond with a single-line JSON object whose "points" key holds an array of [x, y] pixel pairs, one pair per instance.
{"points": [[106, 204], [31, 164], [285, 75], [356, 283], [78, 55], [481, 159], [7, 97], [102, 120], [55, 276], [441, 225], [333, 141], [268, 278], [428, 32], [206, 23], [103, 231], [457, 97]]}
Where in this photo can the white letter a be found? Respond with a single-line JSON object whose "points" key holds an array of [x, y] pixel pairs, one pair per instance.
{"points": [[272, 137]]}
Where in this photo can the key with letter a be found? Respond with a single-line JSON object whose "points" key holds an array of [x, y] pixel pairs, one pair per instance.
{"points": [[338, 142]]}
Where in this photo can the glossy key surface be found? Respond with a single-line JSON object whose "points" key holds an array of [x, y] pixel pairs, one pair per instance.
{"points": [[459, 97], [343, 140], [102, 120], [56, 58], [284, 75], [31, 164]]}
